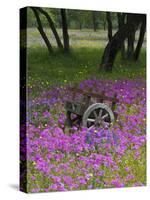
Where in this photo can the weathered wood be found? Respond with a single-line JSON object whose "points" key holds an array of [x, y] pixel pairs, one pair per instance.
{"points": [[114, 100], [101, 96], [101, 99], [98, 114], [83, 109]]}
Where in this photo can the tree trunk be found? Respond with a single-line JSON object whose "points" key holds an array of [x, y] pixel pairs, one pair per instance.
{"points": [[40, 28], [130, 50], [65, 30], [80, 25], [52, 26], [115, 44], [104, 24], [121, 22], [94, 20], [141, 39], [131, 39], [104, 21], [109, 22]]}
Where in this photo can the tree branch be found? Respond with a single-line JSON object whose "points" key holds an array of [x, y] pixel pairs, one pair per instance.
{"points": [[52, 26], [40, 28]]}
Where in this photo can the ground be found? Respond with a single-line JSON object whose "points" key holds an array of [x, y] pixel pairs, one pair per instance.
{"points": [[60, 158]]}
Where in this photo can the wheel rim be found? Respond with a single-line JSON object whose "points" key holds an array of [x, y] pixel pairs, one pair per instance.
{"points": [[98, 115]]}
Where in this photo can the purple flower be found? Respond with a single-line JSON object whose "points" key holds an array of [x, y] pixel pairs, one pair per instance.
{"points": [[129, 177], [68, 159]]}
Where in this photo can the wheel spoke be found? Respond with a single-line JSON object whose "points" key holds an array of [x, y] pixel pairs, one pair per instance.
{"points": [[90, 120], [104, 116], [95, 114], [105, 124], [90, 127], [100, 112]]}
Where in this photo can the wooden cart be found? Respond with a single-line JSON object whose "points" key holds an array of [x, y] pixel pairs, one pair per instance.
{"points": [[91, 110]]}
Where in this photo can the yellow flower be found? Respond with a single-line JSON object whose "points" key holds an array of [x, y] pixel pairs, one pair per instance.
{"points": [[91, 174], [34, 163]]}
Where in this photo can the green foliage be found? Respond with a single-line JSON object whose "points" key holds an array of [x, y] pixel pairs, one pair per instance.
{"points": [[77, 19], [31, 21]]}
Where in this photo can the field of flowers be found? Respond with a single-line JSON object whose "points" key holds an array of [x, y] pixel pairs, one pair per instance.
{"points": [[60, 158]]}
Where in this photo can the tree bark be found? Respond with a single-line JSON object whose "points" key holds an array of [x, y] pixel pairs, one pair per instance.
{"points": [[52, 26], [131, 39], [40, 28], [104, 21], [109, 22], [104, 24], [80, 26], [65, 30], [141, 39], [115, 44], [94, 20], [121, 22]]}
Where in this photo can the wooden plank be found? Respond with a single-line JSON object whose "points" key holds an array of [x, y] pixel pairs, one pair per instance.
{"points": [[101, 96], [114, 100]]}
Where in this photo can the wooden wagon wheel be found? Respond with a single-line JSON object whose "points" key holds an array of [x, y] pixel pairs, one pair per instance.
{"points": [[98, 115]]}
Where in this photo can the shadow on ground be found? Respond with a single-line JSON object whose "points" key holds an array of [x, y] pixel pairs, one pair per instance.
{"points": [[14, 186]]}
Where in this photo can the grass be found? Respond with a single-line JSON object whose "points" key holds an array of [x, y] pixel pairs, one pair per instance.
{"points": [[59, 68], [81, 63], [78, 38]]}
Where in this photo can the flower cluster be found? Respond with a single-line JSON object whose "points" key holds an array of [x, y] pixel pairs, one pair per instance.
{"points": [[60, 158]]}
